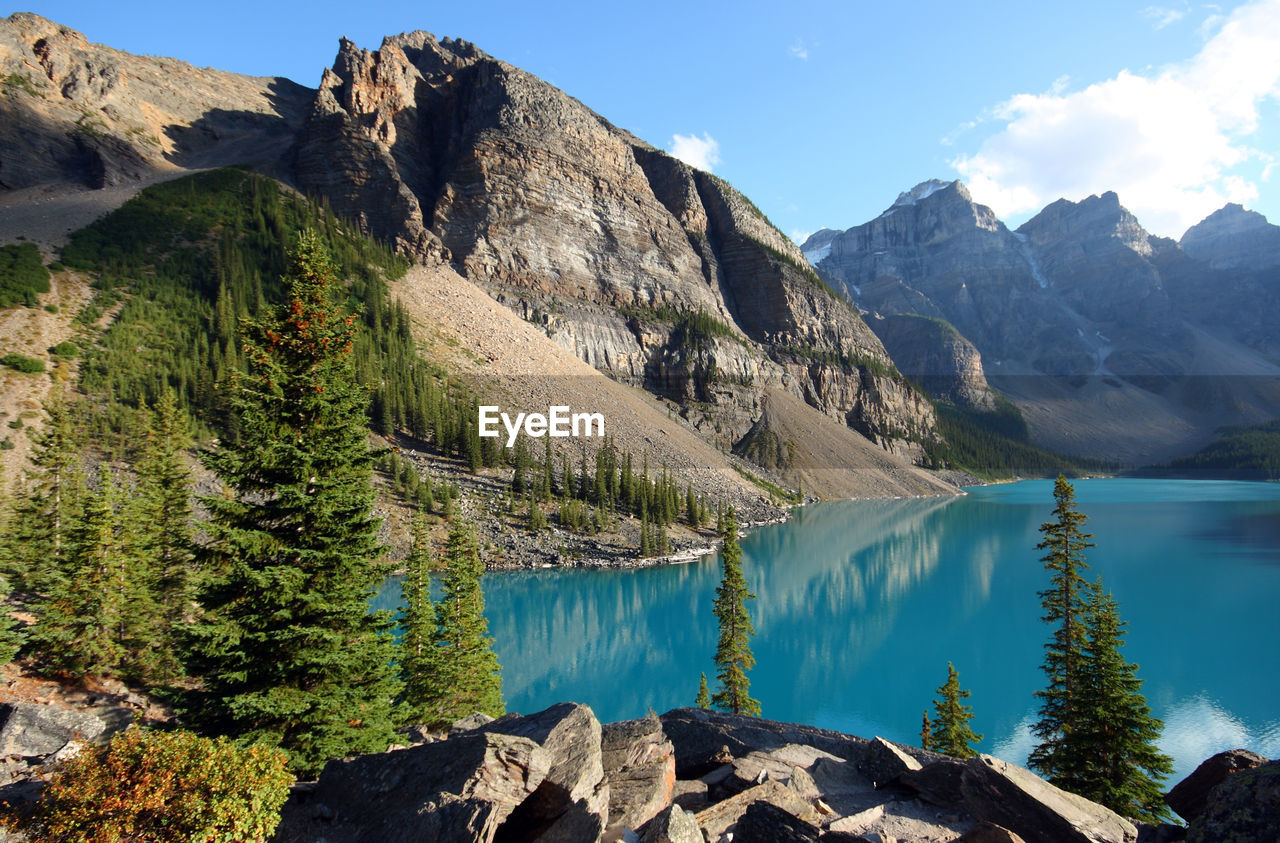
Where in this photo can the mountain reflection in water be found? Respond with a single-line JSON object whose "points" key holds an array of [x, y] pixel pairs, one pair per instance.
{"points": [[861, 604]]}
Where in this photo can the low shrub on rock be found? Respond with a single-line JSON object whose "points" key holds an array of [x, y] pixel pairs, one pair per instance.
{"points": [[150, 786], [23, 363]]}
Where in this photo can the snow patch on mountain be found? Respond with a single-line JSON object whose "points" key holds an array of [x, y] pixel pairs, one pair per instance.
{"points": [[1025, 245]]}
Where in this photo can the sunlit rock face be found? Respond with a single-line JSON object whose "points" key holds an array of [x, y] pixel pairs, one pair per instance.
{"points": [[594, 235]]}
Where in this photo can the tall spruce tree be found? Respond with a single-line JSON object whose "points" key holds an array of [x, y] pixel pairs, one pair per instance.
{"points": [[419, 664], [950, 732], [49, 504], [1056, 756], [1122, 767], [80, 629], [466, 677], [733, 651], [161, 511], [286, 647]]}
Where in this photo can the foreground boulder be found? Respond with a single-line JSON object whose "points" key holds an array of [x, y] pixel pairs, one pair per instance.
{"points": [[572, 802], [1017, 800], [1243, 808], [1190, 796], [700, 736], [640, 767], [461, 789]]}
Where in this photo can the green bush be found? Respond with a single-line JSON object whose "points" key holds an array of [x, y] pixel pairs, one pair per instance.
{"points": [[7, 444], [65, 349], [22, 275], [163, 786], [51, 308], [22, 363]]}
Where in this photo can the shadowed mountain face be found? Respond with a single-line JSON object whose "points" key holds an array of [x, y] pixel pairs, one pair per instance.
{"points": [[1113, 342]]}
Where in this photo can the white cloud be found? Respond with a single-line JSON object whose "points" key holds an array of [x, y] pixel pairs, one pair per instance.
{"points": [[1168, 143], [799, 50], [1162, 16], [701, 152], [797, 236]]}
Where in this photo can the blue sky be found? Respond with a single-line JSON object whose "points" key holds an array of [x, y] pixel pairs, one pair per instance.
{"points": [[822, 112]]}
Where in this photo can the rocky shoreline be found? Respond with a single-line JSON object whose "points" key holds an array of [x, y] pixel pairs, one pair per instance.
{"points": [[689, 776]]}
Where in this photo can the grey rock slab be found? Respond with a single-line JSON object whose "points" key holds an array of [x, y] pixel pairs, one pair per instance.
{"points": [[673, 824], [764, 822], [721, 818], [1007, 795], [698, 736], [883, 761], [28, 730], [466, 724]]}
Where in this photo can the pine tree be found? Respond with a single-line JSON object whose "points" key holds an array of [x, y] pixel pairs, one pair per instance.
{"points": [[286, 647], [418, 663], [537, 519], [703, 700], [1122, 769], [926, 731], [80, 612], [950, 733], [161, 509], [1056, 757], [733, 651], [49, 503], [12, 635], [468, 675]]}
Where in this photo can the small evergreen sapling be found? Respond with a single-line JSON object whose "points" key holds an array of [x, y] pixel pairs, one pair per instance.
{"points": [[703, 700], [950, 733]]}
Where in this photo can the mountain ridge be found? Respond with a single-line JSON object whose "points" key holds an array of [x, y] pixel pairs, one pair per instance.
{"points": [[1084, 319]]}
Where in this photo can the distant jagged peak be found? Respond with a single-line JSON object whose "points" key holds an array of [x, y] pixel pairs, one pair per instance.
{"points": [[925, 189], [1096, 216], [1233, 216], [1233, 237]]}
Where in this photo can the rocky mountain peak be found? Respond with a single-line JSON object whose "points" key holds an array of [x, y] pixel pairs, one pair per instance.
{"points": [[453, 155], [1095, 218], [1232, 238], [925, 189], [79, 112]]}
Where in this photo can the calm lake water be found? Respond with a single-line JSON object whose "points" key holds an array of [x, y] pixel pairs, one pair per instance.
{"points": [[861, 604]]}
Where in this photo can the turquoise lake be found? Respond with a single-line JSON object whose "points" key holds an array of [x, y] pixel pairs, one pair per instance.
{"points": [[861, 604]]}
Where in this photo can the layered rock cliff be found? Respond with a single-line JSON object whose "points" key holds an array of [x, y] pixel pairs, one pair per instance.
{"points": [[935, 355], [606, 242]]}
